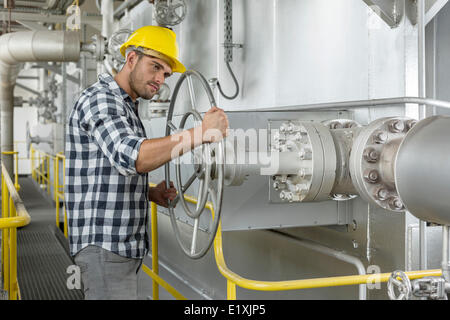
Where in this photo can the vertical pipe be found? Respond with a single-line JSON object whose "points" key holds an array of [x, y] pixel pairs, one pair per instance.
{"points": [[445, 253], [155, 262], [4, 215], [422, 115], [231, 290], [13, 257], [107, 11], [47, 157], [7, 116], [56, 187], [64, 100]]}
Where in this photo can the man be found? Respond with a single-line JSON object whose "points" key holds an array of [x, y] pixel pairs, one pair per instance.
{"points": [[107, 160]]}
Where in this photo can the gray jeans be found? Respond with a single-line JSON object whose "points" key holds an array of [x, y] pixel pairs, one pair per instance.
{"points": [[106, 275]]}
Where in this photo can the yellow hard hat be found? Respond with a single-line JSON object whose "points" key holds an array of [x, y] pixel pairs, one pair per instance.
{"points": [[156, 41]]}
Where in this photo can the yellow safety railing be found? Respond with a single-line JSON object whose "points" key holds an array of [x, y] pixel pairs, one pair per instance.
{"points": [[233, 280], [41, 174], [59, 189], [14, 215], [16, 171]]}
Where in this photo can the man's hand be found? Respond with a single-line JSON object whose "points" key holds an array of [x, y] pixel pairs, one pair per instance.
{"points": [[214, 125], [160, 194]]}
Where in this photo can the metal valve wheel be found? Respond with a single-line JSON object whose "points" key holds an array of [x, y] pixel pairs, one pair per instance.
{"points": [[208, 170], [170, 12], [399, 281]]}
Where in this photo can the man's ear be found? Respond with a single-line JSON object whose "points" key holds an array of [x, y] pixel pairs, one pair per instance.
{"points": [[132, 59]]}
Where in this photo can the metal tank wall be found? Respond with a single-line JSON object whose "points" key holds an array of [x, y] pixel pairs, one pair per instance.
{"points": [[295, 52]]}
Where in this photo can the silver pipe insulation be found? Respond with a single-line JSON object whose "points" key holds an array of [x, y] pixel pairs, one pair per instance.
{"points": [[422, 115], [27, 46], [126, 5], [332, 253], [107, 11]]}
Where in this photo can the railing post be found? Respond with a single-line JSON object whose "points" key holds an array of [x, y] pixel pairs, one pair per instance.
{"points": [[14, 215], [12, 258], [56, 187], [66, 233], [4, 232], [231, 290], [16, 176], [31, 161], [47, 157], [155, 262], [40, 168]]}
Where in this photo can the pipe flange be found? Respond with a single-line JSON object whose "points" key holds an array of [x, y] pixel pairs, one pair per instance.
{"points": [[314, 180], [341, 124], [344, 132], [372, 161]]}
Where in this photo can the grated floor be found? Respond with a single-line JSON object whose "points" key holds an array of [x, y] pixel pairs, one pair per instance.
{"points": [[41, 257]]}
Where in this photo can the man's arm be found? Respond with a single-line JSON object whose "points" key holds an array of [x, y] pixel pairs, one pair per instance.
{"points": [[156, 152], [153, 153]]}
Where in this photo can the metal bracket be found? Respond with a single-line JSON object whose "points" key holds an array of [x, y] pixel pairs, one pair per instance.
{"points": [[391, 11], [430, 287]]}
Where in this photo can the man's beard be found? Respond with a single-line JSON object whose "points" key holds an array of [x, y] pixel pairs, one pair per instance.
{"points": [[143, 92]]}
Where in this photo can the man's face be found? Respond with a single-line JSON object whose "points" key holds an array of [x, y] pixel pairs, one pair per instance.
{"points": [[147, 75]]}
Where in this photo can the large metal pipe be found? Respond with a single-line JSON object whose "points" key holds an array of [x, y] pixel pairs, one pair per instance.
{"points": [[28, 46], [422, 170]]}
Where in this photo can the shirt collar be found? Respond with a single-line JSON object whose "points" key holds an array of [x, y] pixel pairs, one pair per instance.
{"points": [[108, 80]]}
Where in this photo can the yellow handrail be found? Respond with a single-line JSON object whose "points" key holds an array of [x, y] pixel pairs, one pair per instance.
{"points": [[16, 172], [14, 215], [41, 173], [234, 279]]}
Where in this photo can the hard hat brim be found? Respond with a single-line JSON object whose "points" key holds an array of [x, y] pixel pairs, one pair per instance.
{"points": [[176, 65]]}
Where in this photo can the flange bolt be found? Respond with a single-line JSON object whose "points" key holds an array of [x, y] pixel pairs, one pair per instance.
{"points": [[381, 194], [395, 203], [380, 137], [396, 126], [371, 155], [410, 123], [371, 176]]}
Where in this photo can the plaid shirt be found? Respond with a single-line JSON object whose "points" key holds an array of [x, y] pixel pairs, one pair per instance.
{"points": [[106, 199]]}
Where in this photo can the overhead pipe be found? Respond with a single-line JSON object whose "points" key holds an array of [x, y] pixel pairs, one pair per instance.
{"points": [[126, 5], [28, 46]]}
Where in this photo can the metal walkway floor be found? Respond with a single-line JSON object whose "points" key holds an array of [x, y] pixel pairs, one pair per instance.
{"points": [[42, 257]]}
